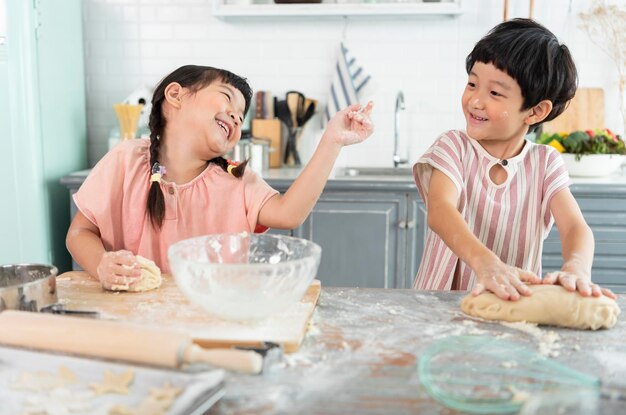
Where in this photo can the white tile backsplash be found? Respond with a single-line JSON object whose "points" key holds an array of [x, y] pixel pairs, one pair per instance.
{"points": [[129, 43]]}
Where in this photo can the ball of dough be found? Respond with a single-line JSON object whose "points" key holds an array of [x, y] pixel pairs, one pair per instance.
{"points": [[550, 305], [149, 280]]}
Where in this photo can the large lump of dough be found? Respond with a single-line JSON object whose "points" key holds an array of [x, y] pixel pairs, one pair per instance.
{"points": [[550, 305], [149, 280]]}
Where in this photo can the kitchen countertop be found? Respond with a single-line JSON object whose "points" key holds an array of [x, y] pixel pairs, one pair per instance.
{"points": [[283, 177], [363, 347]]}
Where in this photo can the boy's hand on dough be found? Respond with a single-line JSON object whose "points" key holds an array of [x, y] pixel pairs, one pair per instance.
{"points": [[572, 282], [505, 281], [118, 268]]}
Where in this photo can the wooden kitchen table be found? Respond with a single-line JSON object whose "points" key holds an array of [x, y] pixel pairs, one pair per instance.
{"points": [[361, 353]]}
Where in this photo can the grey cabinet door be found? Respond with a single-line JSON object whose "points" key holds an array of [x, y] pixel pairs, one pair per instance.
{"points": [[607, 218], [416, 236], [360, 238]]}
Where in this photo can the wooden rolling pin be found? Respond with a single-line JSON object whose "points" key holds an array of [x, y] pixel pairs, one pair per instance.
{"points": [[117, 341]]}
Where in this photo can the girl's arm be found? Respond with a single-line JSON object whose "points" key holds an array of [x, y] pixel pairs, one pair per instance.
{"points": [[578, 245], [110, 268], [291, 209], [446, 221]]}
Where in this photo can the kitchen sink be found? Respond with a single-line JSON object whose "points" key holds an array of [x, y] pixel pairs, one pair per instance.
{"points": [[374, 171]]}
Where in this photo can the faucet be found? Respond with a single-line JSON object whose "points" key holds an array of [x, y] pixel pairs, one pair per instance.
{"points": [[397, 160]]}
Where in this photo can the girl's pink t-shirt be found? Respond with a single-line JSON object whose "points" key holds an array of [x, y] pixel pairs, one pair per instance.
{"points": [[512, 219], [114, 196]]}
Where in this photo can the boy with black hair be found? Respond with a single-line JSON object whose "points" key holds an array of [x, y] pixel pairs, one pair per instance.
{"points": [[492, 196]]}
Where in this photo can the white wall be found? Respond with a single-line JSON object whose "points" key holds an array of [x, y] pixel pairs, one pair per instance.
{"points": [[134, 42], [3, 21]]}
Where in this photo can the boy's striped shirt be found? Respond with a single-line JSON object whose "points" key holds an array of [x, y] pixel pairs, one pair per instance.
{"points": [[512, 219]]}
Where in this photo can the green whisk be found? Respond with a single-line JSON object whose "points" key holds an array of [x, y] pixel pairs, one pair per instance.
{"points": [[482, 374]]}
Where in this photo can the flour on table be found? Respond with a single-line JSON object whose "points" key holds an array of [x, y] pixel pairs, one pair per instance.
{"points": [[114, 382], [509, 364], [149, 280], [45, 381], [548, 340]]}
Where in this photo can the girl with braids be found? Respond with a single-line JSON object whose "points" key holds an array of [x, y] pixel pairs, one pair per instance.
{"points": [[145, 195]]}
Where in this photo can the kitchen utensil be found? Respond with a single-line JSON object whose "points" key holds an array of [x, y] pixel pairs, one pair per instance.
{"points": [[32, 287], [284, 114], [29, 287], [481, 374], [118, 341], [255, 150], [128, 117], [295, 102], [585, 112], [61, 309], [291, 148], [308, 111], [167, 307], [243, 276]]}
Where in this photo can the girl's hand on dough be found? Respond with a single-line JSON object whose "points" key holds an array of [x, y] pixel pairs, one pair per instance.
{"points": [[573, 282], [118, 268], [505, 281]]}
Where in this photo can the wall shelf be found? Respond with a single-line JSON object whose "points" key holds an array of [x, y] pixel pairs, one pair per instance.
{"points": [[225, 11]]}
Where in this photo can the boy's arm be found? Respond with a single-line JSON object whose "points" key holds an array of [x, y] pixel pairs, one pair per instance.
{"points": [[84, 244], [445, 220], [577, 244], [291, 209]]}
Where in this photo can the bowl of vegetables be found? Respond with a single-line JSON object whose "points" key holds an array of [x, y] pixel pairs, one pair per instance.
{"points": [[590, 153]]}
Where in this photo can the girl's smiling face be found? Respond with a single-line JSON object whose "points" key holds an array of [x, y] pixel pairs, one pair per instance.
{"points": [[214, 115], [492, 103]]}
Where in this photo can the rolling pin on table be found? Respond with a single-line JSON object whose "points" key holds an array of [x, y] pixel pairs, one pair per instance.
{"points": [[118, 341]]}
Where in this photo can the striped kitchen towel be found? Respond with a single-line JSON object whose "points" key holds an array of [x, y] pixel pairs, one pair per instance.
{"points": [[348, 81]]}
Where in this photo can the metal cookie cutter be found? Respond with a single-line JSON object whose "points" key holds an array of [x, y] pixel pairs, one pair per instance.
{"points": [[271, 352], [60, 309]]}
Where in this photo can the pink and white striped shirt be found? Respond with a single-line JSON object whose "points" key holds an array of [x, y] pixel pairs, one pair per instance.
{"points": [[512, 219]]}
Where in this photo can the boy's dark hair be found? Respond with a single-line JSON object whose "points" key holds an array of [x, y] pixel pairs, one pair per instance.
{"points": [[194, 78], [533, 56]]}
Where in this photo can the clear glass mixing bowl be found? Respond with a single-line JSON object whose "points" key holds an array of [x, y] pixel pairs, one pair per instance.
{"points": [[244, 276]]}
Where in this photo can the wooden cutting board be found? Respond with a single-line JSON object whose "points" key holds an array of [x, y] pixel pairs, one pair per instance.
{"points": [[167, 307], [585, 112]]}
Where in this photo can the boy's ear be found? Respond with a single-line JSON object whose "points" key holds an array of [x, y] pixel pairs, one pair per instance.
{"points": [[539, 112], [173, 94]]}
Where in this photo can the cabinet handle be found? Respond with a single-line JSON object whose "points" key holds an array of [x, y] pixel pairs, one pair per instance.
{"points": [[406, 225]]}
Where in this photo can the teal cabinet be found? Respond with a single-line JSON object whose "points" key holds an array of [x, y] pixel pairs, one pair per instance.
{"points": [[42, 127]]}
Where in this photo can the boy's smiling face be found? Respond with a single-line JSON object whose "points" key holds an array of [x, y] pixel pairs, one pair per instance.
{"points": [[492, 103]]}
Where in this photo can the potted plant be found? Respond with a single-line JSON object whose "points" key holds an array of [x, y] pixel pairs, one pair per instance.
{"points": [[588, 153]]}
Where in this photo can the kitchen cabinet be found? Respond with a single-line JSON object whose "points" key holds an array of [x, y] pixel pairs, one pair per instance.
{"points": [[605, 213], [42, 127], [369, 238], [236, 9]]}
